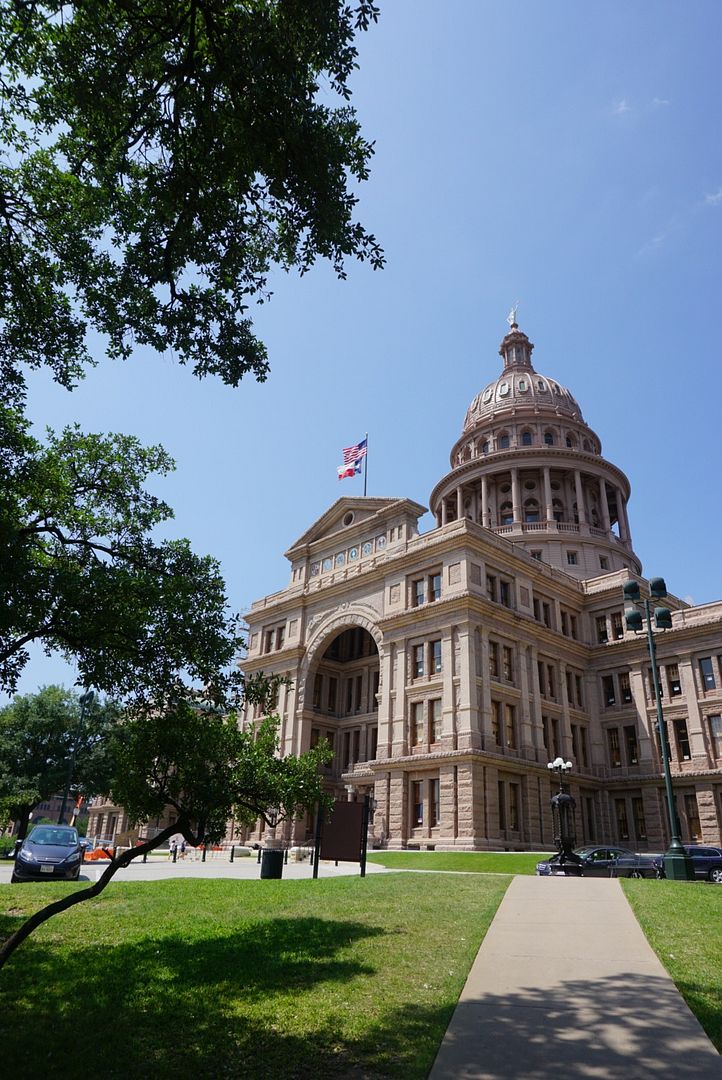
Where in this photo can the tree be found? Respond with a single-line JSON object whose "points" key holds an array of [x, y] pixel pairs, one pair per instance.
{"points": [[192, 758], [81, 571], [39, 734], [159, 160]]}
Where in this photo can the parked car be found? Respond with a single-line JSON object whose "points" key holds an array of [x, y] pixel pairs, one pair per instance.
{"points": [[707, 862], [604, 861], [49, 852]]}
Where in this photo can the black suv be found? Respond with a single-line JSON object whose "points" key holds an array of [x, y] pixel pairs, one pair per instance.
{"points": [[707, 862]]}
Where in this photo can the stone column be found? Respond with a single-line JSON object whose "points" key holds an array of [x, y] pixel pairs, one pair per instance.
{"points": [[399, 735], [443, 511], [695, 720], [708, 814], [622, 517], [467, 732], [447, 804], [526, 736], [548, 494], [448, 728], [604, 504], [459, 503], [516, 496], [487, 737], [475, 503], [537, 703], [581, 509], [398, 816], [485, 502], [566, 718]]}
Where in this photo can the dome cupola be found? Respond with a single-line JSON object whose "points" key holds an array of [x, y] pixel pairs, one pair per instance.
{"points": [[527, 466]]}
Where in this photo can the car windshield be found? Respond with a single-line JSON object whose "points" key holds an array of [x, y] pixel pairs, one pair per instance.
{"points": [[53, 837]]}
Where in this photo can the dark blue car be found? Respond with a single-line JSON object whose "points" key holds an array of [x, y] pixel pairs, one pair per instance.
{"points": [[602, 861], [50, 852], [707, 862]]}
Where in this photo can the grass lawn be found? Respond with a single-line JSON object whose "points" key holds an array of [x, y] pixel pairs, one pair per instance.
{"points": [[682, 923], [473, 862], [347, 977]]}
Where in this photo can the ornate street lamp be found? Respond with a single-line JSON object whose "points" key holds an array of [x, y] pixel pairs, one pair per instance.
{"points": [[563, 806], [677, 863]]}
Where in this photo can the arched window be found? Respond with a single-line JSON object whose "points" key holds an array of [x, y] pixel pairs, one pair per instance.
{"points": [[506, 514], [485, 446], [504, 440], [571, 441], [531, 510], [557, 510], [587, 445], [548, 438], [527, 438]]}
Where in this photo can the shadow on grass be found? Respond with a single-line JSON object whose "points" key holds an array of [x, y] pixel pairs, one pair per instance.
{"points": [[238, 1005]]}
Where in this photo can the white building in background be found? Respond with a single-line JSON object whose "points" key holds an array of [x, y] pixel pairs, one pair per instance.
{"points": [[447, 668]]}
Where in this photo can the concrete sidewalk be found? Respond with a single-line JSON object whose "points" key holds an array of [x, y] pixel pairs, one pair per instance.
{"points": [[565, 985]]}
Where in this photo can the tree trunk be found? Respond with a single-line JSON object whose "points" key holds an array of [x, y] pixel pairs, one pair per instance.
{"points": [[23, 822], [72, 899]]}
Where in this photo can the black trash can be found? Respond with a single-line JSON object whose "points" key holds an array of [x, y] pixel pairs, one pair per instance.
{"points": [[272, 863]]}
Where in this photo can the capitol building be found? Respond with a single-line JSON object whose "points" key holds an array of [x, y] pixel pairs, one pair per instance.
{"points": [[447, 668]]}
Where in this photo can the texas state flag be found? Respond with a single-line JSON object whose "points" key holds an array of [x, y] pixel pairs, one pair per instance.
{"points": [[351, 469]]}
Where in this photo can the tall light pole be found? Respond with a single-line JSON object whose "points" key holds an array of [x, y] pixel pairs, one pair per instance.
{"points": [[563, 805], [86, 700], [677, 863]]}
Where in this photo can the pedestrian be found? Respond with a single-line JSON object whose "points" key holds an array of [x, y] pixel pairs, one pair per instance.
{"points": [[172, 848], [183, 849]]}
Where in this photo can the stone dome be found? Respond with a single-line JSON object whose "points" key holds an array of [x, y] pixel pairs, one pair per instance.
{"points": [[520, 387]]}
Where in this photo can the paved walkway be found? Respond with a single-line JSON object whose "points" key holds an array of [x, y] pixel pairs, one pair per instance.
{"points": [[565, 985]]}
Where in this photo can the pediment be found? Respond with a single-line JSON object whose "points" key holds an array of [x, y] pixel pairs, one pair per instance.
{"points": [[349, 515]]}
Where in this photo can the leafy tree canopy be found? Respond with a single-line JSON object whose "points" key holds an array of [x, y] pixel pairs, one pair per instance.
{"points": [[39, 734], [158, 160], [82, 573]]}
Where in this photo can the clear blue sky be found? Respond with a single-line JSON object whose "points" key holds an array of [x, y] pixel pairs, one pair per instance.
{"points": [[566, 155]]}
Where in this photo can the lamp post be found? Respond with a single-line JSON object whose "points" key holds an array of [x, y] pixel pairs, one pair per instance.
{"points": [[86, 700], [677, 863], [563, 806]]}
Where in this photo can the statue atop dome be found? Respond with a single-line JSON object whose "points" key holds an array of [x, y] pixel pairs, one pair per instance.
{"points": [[511, 317]]}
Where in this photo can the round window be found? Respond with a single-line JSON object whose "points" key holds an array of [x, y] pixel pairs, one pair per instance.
{"points": [[340, 559], [380, 541], [327, 564], [367, 548], [353, 553], [348, 518]]}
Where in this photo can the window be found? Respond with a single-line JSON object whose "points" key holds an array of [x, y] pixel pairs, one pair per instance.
{"points": [[268, 641], [609, 696], [536, 555], [580, 697], [496, 721], [418, 661], [435, 719], [625, 689], [602, 636], [572, 558], [418, 592], [603, 562], [541, 672], [417, 803], [692, 811], [280, 636], [650, 679], [706, 672], [505, 593], [550, 682], [617, 626], [502, 805], [435, 656], [615, 756], [548, 438], [507, 660], [715, 734], [585, 747], [416, 732], [620, 807], [575, 743], [494, 659], [673, 680], [514, 807], [434, 802], [640, 825], [565, 623], [510, 726], [435, 587], [504, 442], [684, 752], [526, 438], [317, 691], [630, 739], [332, 686], [491, 586]]}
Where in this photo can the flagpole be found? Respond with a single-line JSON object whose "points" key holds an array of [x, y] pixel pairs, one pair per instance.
{"points": [[366, 462]]}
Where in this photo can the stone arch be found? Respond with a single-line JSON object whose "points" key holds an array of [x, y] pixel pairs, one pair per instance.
{"points": [[344, 617]]}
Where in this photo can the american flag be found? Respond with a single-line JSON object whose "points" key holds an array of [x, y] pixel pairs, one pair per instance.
{"points": [[354, 453]]}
